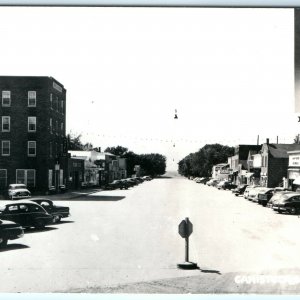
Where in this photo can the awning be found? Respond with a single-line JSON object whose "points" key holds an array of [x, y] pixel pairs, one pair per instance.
{"points": [[248, 175], [297, 181]]}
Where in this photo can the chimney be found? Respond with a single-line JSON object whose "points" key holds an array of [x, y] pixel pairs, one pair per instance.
{"points": [[267, 141], [99, 149]]}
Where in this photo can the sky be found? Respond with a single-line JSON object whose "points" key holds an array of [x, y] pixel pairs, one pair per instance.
{"points": [[229, 73]]}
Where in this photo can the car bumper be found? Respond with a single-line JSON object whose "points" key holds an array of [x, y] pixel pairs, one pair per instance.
{"points": [[280, 208], [14, 233]]}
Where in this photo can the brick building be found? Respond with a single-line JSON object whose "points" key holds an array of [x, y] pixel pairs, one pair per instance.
{"points": [[33, 125], [275, 161]]}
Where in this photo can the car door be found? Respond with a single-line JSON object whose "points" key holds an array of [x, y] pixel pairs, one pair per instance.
{"points": [[11, 213], [24, 214]]}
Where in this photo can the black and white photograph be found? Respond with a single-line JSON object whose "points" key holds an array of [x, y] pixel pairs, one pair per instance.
{"points": [[149, 150]]}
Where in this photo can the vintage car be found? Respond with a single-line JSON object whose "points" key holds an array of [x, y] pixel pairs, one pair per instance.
{"points": [[117, 184], [240, 189], [253, 192], [9, 231], [248, 189], [264, 195], [287, 202], [212, 182], [26, 213], [57, 211], [18, 191]]}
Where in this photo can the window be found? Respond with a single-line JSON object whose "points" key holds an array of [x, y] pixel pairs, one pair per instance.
{"points": [[56, 127], [50, 149], [31, 124], [5, 98], [3, 179], [5, 145], [51, 101], [26, 177], [31, 148], [13, 208], [23, 208], [5, 124], [50, 178], [62, 106], [56, 103], [30, 178], [32, 98], [51, 129], [62, 128]]}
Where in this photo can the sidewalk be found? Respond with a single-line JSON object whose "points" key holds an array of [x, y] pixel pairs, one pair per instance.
{"points": [[68, 195], [210, 283]]}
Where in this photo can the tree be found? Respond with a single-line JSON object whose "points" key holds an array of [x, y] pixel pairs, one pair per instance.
{"points": [[297, 139], [118, 150], [201, 162], [75, 143]]}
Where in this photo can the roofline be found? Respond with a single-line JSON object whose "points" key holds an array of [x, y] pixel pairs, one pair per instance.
{"points": [[35, 77]]}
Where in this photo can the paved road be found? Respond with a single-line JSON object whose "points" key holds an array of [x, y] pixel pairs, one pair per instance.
{"points": [[118, 237]]}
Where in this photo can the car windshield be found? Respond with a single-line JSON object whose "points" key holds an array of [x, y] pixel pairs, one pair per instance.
{"points": [[18, 186]]}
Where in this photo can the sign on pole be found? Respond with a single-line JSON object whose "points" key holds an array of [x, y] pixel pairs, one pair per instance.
{"points": [[185, 229]]}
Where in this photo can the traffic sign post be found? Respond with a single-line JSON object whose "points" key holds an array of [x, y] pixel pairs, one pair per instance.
{"points": [[185, 229]]}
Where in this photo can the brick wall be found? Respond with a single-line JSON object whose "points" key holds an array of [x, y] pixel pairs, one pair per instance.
{"points": [[19, 135]]}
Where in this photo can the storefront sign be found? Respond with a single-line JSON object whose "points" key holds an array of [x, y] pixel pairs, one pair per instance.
{"points": [[294, 160], [294, 174]]}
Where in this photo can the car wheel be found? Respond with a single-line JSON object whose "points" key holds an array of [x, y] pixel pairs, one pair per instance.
{"points": [[39, 224], [293, 210], [3, 242], [280, 212]]}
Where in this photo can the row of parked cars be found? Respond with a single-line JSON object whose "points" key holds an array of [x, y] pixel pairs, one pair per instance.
{"points": [[23, 214], [126, 183], [280, 199]]}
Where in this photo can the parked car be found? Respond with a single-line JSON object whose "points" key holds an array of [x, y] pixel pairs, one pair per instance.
{"points": [[288, 202], [130, 182], [220, 184], [240, 189], [147, 178], [26, 213], [248, 189], [276, 197], [204, 180], [57, 211], [253, 192], [228, 185], [212, 182], [18, 191], [264, 195], [9, 231]]}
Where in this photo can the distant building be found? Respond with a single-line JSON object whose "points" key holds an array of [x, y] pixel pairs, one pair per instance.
{"points": [[33, 125], [275, 163], [240, 162], [100, 168]]}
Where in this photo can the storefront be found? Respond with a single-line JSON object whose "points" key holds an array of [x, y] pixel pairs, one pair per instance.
{"points": [[293, 174]]}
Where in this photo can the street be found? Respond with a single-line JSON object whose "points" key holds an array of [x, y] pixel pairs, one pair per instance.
{"points": [[120, 237]]}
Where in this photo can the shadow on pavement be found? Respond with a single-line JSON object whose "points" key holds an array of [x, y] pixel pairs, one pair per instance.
{"points": [[96, 198], [34, 230], [10, 247], [211, 271], [64, 222]]}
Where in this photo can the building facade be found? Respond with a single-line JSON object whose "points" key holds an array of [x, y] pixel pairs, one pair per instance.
{"points": [[33, 124], [275, 162]]}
